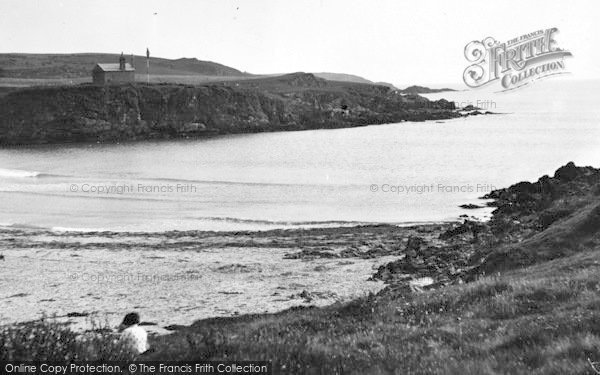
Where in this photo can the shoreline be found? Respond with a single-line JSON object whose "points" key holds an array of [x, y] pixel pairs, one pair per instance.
{"points": [[462, 114], [86, 232], [311, 266], [153, 111], [527, 277]]}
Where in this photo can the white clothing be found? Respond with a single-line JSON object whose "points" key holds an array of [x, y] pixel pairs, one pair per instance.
{"points": [[136, 338]]}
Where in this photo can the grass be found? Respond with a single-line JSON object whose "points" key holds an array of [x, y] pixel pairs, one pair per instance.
{"points": [[49, 340], [30, 65], [540, 320]]}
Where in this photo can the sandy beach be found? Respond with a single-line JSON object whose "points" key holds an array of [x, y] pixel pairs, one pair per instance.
{"points": [[176, 278]]}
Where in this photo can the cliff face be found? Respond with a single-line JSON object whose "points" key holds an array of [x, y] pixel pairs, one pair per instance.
{"points": [[89, 113]]}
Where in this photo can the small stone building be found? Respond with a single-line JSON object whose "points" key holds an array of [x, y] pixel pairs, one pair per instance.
{"points": [[104, 74]]}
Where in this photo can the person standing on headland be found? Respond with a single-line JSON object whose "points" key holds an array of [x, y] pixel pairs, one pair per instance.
{"points": [[134, 336]]}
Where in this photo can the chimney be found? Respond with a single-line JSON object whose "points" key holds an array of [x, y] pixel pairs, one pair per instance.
{"points": [[122, 62]]}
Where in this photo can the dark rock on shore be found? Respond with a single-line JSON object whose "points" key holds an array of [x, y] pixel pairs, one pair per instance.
{"points": [[470, 206], [311, 254], [576, 233], [550, 218], [77, 314], [441, 263], [533, 222], [531, 207], [467, 228], [470, 107]]}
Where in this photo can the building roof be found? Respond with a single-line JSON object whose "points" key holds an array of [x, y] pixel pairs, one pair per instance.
{"points": [[115, 67]]}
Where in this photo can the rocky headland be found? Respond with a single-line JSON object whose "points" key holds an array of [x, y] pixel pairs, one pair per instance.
{"points": [[551, 218], [88, 113]]}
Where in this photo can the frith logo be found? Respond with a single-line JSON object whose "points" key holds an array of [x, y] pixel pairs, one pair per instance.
{"points": [[514, 63]]}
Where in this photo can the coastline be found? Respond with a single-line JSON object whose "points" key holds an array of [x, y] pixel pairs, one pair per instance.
{"points": [[536, 261], [277, 269], [128, 112], [294, 267]]}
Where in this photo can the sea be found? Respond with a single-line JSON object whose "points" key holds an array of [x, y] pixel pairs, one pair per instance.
{"points": [[403, 173]]}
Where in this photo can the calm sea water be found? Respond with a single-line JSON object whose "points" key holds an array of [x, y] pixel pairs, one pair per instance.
{"points": [[396, 173]]}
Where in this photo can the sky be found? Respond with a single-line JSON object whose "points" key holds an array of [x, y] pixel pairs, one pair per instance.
{"points": [[401, 42]]}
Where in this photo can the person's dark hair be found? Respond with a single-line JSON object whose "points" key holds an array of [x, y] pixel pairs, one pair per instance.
{"points": [[131, 319]]}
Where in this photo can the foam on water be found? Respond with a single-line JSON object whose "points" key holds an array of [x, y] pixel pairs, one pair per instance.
{"points": [[17, 173]]}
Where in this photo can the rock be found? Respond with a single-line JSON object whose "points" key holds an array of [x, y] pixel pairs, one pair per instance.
{"points": [[389, 271], [413, 246], [192, 127], [537, 205], [470, 206], [311, 254], [237, 268], [77, 314], [88, 113], [175, 327], [308, 297], [417, 285], [567, 172], [524, 187], [463, 228], [350, 252]]}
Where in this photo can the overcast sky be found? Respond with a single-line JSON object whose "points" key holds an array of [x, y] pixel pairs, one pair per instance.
{"points": [[402, 42]]}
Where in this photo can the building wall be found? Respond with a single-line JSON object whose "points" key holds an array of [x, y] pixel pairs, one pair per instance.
{"points": [[102, 78], [98, 77]]}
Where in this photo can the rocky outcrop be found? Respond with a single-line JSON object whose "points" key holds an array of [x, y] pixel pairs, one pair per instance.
{"points": [[443, 264], [531, 207], [576, 233], [299, 101], [533, 222], [548, 219]]}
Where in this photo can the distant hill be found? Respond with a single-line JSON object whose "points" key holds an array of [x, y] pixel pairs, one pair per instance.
{"points": [[342, 77], [422, 90], [77, 65]]}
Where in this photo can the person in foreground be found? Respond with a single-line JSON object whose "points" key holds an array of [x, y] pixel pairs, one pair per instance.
{"points": [[134, 336]]}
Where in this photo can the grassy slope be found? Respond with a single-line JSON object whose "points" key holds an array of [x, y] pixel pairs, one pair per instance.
{"points": [[75, 65], [342, 77], [22, 70], [18, 70], [542, 319]]}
